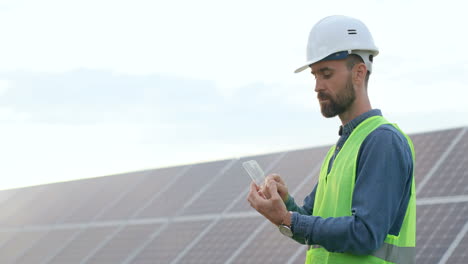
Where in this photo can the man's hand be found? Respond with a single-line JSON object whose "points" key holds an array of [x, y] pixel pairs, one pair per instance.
{"points": [[280, 186], [272, 208]]}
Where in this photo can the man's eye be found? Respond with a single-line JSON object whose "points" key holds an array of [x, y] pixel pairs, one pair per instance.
{"points": [[327, 76]]}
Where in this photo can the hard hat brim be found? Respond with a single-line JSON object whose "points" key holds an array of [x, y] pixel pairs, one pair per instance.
{"points": [[298, 70], [334, 56]]}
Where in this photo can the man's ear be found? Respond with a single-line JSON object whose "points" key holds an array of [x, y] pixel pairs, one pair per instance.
{"points": [[359, 73]]}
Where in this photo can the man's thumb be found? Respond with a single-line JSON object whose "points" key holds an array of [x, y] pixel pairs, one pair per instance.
{"points": [[271, 185]]}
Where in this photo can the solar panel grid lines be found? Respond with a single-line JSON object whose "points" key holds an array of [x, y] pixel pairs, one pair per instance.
{"points": [[5, 195], [170, 242], [53, 197], [17, 203], [460, 254], [101, 199], [295, 257], [155, 183], [47, 245], [17, 245], [161, 192], [215, 221], [429, 147], [101, 244], [218, 173], [118, 225], [130, 257], [60, 247], [121, 195], [269, 246], [216, 245], [22, 198], [180, 193], [440, 161], [65, 203], [31, 243], [82, 245], [5, 236], [437, 226], [92, 187], [248, 241], [454, 245], [208, 185], [122, 244], [268, 240], [226, 188], [442, 200], [454, 175], [147, 242], [293, 168]]}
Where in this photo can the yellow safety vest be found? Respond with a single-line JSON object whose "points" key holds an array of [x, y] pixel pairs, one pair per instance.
{"points": [[334, 196]]}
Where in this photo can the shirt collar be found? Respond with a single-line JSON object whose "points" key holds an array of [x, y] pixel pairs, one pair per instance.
{"points": [[351, 125]]}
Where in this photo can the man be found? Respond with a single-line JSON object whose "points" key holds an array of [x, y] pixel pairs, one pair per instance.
{"points": [[363, 208]]}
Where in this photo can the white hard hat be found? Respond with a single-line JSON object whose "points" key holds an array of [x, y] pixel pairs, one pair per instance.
{"points": [[335, 34]]}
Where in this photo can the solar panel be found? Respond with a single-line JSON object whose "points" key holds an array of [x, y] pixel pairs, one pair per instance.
{"points": [[453, 179], [142, 192], [16, 203], [429, 147], [460, 255], [437, 226], [6, 194], [195, 179], [14, 247], [170, 242], [123, 244], [293, 168], [299, 256], [55, 199], [269, 246], [228, 187], [216, 245], [5, 236], [110, 189], [46, 246], [199, 214], [82, 245]]}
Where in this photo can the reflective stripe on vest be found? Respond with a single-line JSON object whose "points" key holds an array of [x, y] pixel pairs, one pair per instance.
{"points": [[391, 253], [333, 198]]}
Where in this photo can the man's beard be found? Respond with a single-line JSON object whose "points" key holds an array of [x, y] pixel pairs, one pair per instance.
{"points": [[341, 103]]}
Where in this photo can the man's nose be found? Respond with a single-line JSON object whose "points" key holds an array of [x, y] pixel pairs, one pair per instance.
{"points": [[318, 86]]}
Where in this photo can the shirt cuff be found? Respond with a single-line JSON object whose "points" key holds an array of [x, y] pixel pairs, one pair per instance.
{"points": [[302, 225], [290, 203]]}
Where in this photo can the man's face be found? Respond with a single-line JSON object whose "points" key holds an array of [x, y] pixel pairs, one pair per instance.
{"points": [[334, 87]]}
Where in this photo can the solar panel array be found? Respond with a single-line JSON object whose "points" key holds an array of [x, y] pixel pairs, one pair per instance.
{"points": [[199, 214]]}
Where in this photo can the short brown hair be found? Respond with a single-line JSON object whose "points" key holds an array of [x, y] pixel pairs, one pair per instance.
{"points": [[354, 59]]}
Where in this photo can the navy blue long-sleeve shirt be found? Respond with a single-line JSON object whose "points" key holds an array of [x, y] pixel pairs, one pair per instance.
{"points": [[380, 197]]}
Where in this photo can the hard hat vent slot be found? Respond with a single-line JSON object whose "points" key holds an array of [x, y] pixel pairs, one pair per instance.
{"points": [[352, 32]]}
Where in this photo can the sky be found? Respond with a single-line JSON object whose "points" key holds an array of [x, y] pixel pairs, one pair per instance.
{"points": [[94, 87]]}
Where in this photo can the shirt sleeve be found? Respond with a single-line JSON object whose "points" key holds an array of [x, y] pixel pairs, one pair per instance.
{"points": [[380, 198], [306, 209]]}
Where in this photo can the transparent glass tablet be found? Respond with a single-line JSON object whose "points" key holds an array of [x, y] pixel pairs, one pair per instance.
{"points": [[255, 171]]}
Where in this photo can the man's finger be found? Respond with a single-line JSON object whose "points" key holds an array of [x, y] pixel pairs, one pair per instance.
{"points": [[272, 176], [277, 178], [271, 187], [262, 194], [253, 193]]}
